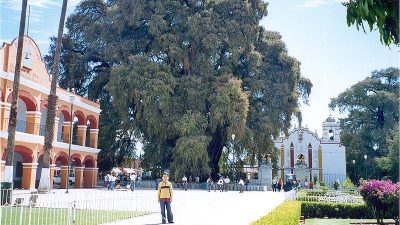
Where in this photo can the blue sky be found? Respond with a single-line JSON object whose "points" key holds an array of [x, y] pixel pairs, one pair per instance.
{"points": [[332, 55]]}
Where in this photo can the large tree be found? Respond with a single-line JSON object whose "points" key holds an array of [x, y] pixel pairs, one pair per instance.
{"points": [[378, 14], [184, 76], [372, 114]]}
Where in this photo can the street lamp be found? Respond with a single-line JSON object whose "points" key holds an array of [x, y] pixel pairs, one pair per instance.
{"points": [[365, 166], [72, 99], [234, 160]]}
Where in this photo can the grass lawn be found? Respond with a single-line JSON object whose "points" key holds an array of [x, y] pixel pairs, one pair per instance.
{"points": [[45, 216], [339, 221]]}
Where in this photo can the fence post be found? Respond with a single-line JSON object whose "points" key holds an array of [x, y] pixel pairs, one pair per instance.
{"points": [[69, 213], [20, 215], [30, 213]]}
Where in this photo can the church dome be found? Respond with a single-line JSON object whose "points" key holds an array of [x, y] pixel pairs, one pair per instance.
{"points": [[330, 119]]}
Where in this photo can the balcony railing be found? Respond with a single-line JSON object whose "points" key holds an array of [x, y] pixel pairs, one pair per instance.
{"points": [[24, 126]]}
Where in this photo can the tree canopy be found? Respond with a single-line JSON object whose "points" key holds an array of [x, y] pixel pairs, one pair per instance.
{"points": [[382, 14], [373, 116], [182, 76]]}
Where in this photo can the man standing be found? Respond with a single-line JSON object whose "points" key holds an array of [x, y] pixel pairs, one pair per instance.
{"points": [[165, 198]]}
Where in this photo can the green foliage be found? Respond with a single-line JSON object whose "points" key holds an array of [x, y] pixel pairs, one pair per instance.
{"points": [[335, 210], [190, 157], [315, 192], [390, 164], [382, 197], [347, 184], [310, 195], [373, 114], [288, 213], [174, 73], [307, 198], [382, 14]]}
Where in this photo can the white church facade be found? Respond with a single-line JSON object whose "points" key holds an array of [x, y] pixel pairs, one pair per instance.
{"points": [[310, 157]]}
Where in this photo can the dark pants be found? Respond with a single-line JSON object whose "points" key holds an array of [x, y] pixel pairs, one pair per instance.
{"points": [[132, 185], [166, 205], [241, 188]]}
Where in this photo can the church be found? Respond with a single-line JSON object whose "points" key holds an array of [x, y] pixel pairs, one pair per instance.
{"points": [[310, 157]]}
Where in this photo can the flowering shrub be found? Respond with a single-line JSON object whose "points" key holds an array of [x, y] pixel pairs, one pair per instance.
{"points": [[382, 197]]}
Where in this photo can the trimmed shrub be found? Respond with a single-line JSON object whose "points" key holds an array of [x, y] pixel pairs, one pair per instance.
{"points": [[288, 213], [335, 210], [316, 192], [307, 198]]}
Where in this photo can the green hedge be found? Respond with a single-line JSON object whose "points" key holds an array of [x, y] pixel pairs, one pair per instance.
{"points": [[288, 213], [336, 210], [316, 192], [307, 198]]}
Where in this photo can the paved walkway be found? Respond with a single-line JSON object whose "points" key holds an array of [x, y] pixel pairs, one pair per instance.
{"points": [[199, 207]]}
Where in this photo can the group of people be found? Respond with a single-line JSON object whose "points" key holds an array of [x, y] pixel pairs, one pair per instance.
{"points": [[109, 181], [112, 182], [223, 184], [277, 184]]}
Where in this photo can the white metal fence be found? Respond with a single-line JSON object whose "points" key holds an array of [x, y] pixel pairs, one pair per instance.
{"points": [[79, 207]]}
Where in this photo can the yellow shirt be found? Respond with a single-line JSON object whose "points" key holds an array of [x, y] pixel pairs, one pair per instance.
{"points": [[165, 190]]}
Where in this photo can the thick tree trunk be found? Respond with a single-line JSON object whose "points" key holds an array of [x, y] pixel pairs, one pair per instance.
{"points": [[44, 183], [215, 150], [12, 123]]}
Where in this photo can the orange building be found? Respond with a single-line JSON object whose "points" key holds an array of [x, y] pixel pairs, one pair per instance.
{"points": [[31, 119]]}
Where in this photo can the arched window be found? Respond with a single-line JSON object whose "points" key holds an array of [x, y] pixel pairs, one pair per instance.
{"points": [[21, 116], [310, 155], [75, 130], [43, 110], [310, 159], [331, 134], [291, 157], [87, 141], [60, 126]]}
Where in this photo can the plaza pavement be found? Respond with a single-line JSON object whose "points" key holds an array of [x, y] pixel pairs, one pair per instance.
{"points": [[199, 207]]}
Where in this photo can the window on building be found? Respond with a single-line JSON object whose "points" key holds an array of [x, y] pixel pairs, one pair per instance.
{"points": [[330, 134]]}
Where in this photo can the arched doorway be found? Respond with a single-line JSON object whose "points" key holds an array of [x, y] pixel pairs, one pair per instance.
{"points": [[78, 169], [23, 168], [90, 172], [61, 170]]}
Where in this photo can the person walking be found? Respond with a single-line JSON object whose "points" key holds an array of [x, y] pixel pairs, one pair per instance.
{"points": [[274, 184], [221, 184], [280, 183], [112, 180], [227, 181], [106, 181], [241, 185], [184, 183], [209, 184], [165, 192], [132, 177]]}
